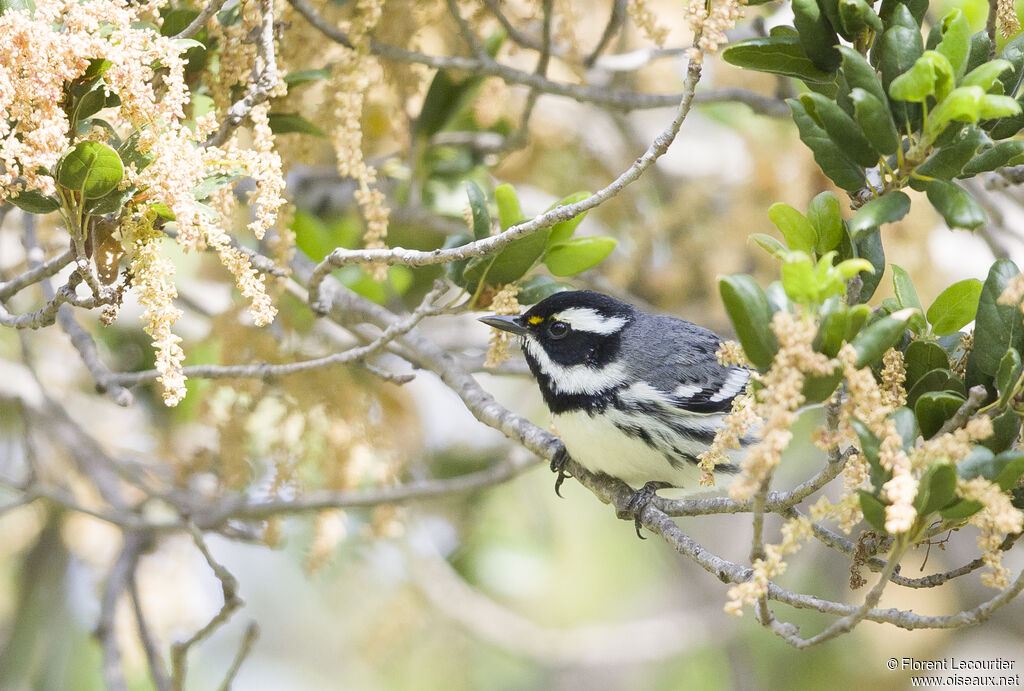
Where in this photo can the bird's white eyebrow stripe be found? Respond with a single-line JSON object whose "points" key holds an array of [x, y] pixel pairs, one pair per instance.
{"points": [[590, 320]]}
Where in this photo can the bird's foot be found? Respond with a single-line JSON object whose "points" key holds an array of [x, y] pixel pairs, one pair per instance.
{"points": [[639, 501], [558, 466]]}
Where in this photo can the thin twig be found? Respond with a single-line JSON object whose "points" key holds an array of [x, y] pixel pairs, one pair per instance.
{"points": [[36, 273], [117, 580], [397, 255], [975, 397], [609, 98], [513, 32], [156, 663], [266, 371], [197, 24], [260, 87], [615, 19], [229, 589], [252, 634]]}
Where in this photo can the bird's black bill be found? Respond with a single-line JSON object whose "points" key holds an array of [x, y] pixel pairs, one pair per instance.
{"points": [[505, 323]]}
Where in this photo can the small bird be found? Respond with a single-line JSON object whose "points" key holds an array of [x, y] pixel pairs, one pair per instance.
{"points": [[632, 395]]}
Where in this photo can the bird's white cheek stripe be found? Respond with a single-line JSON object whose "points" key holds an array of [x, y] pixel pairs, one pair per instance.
{"points": [[586, 319], [576, 379], [734, 383]]}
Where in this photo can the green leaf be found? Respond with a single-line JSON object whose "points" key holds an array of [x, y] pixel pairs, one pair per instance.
{"points": [[454, 270], [825, 214], [563, 230], [872, 342], [993, 157], [211, 183], [832, 329], [18, 5], [93, 101], [906, 294], [478, 209], [986, 74], [91, 168], [937, 488], [817, 36], [900, 13], [1012, 463], [841, 128], [958, 208], [799, 280], [536, 288], [949, 160], [867, 245], [870, 445], [818, 387], [770, 244], [110, 203], [997, 327], [578, 254], [954, 307], [509, 212], [956, 40], [873, 510], [184, 44], [293, 123], [861, 75], [922, 357], [1008, 375], [898, 50], [34, 202], [957, 511], [795, 228], [97, 66], [906, 426], [518, 257], [751, 316], [299, 77], [1004, 469], [997, 106], [827, 154], [857, 17], [888, 208], [778, 55], [930, 75], [875, 120], [935, 380], [962, 105], [934, 408], [130, 155]]}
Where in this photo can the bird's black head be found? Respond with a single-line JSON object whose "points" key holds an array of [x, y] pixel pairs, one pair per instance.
{"points": [[571, 341]]}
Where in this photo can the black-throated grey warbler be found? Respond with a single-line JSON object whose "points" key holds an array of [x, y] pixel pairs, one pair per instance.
{"points": [[632, 395]]}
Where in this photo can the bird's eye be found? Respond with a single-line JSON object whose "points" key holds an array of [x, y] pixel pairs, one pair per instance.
{"points": [[558, 330]]}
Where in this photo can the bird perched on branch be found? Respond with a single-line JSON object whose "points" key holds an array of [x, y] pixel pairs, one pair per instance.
{"points": [[632, 395]]}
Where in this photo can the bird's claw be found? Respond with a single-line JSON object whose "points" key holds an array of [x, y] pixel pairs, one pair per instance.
{"points": [[558, 466], [639, 500]]}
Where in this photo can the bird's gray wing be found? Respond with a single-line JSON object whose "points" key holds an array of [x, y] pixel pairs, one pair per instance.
{"points": [[678, 359]]}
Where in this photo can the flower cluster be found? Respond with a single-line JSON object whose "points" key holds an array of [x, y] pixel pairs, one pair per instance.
{"points": [[154, 286], [353, 76], [710, 21], [503, 302], [795, 532], [47, 58], [997, 519], [777, 402], [641, 13]]}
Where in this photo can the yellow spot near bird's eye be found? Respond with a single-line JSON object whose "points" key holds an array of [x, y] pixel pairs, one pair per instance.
{"points": [[536, 320]]}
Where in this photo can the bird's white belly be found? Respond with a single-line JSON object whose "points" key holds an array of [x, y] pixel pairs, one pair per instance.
{"points": [[601, 447]]}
